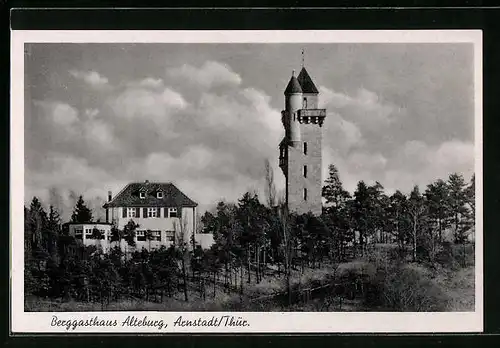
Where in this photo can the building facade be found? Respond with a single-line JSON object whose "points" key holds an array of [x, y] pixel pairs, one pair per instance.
{"points": [[301, 148], [92, 233], [162, 212]]}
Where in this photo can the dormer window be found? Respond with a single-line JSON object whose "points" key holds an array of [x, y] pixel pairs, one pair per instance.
{"points": [[159, 194], [142, 194]]}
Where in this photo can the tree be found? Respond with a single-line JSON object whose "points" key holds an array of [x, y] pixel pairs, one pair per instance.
{"points": [[460, 218], [81, 213], [470, 198], [97, 235], [53, 231], [270, 185], [129, 231], [180, 230], [416, 210], [38, 224], [284, 218], [437, 200], [366, 210], [333, 191], [250, 214], [399, 218]]}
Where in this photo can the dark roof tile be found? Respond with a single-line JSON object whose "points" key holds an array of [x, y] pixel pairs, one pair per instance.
{"points": [[306, 82], [293, 86], [172, 196]]}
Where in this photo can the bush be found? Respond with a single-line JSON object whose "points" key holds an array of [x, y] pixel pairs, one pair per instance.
{"points": [[405, 288]]}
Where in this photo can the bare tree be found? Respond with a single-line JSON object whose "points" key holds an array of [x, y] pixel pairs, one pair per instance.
{"points": [[270, 185], [284, 218], [416, 210], [182, 250]]}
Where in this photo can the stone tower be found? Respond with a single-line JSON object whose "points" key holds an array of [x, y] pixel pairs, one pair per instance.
{"points": [[300, 149]]}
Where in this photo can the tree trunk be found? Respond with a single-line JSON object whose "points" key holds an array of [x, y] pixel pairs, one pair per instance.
{"points": [[215, 275], [184, 276], [414, 239], [248, 264]]}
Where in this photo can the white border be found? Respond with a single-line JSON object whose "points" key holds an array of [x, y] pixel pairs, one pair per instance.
{"points": [[288, 322]]}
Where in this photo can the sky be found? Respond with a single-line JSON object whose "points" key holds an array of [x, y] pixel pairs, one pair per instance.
{"points": [[207, 116]]}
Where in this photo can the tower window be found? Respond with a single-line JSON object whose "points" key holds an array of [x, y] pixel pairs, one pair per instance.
{"points": [[305, 171], [304, 103], [305, 148], [305, 194]]}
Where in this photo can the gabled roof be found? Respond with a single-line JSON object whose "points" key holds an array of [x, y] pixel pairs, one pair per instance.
{"points": [[293, 86], [306, 82], [129, 196]]}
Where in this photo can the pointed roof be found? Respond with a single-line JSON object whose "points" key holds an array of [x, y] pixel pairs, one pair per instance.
{"points": [[306, 82], [293, 85]]}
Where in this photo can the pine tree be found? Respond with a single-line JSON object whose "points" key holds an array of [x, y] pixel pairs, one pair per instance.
{"points": [[437, 199], [459, 213], [81, 213], [53, 231], [333, 190]]}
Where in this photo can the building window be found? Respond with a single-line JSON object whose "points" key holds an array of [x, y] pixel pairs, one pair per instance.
{"points": [[304, 103], [305, 194], [305, 171], [159, 195], [172, 212], [79, 233], [131, 212], [305, 148], [141, 236], [156, 236], [152, 212], [88, 231], [142, 194], [169, 235]]}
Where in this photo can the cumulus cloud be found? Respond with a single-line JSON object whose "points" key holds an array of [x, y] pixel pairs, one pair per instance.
{"points": [[139, 102], [92, 78], [91, 113], [61, 114], [210, 74], [365, 108], [200, 127], [148, 82], [421, 164], [212, 144]]}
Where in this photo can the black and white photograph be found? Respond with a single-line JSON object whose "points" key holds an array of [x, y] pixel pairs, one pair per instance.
{"points": [[234, 176]]}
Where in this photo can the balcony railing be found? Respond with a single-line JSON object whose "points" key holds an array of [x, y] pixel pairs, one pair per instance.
{"points": [[312, 112]]}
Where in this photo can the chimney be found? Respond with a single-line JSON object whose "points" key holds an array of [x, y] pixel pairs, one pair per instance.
{"points": [[109, 196]]}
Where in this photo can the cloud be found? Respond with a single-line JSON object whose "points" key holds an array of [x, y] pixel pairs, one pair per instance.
{"points": [[139, 103], [91, 113], [148, 82], [205, 129], [61, 114], [365, 108], [210, 74], [92, 78], [420, 164]]}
